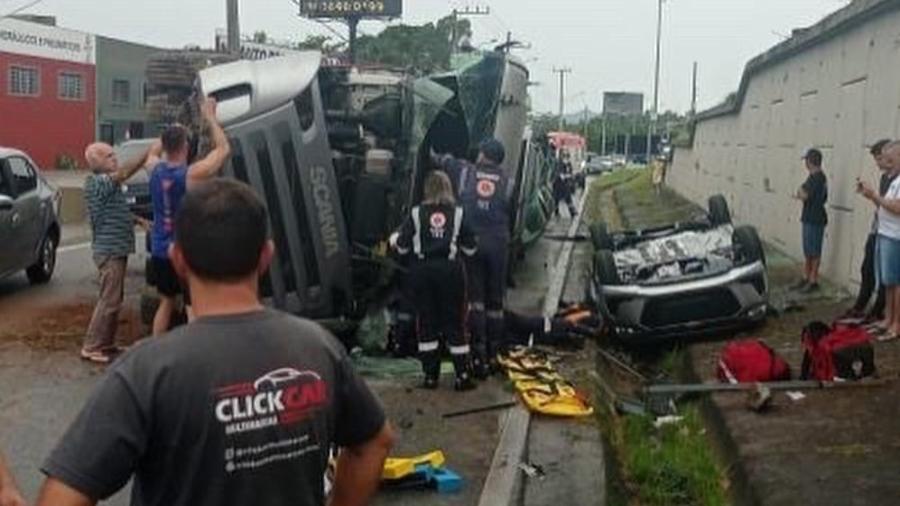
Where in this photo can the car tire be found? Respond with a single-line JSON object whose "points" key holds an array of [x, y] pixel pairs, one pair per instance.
{"points": [[605, 271], [42, 270], [719, 214], [748, 246], [600, 238]]}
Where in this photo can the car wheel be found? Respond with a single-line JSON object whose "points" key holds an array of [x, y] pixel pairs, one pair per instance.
{"points": [[42, 271], [748, 245], [605, 271], [600, 238], [719, 213]]}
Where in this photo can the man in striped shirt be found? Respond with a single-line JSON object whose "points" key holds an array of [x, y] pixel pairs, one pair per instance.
{"points": [[112, 226]]}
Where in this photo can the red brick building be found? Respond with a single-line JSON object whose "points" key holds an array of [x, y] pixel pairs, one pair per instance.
{"points": [[47, 91]]}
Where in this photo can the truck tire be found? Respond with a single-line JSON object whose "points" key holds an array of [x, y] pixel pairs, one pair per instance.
{"points": [[719, 214], [605, 271], [748, 246], [600, 238]]}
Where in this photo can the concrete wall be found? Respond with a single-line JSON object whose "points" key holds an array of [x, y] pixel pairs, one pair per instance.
{"points": [[836, 87], [127, 61]]}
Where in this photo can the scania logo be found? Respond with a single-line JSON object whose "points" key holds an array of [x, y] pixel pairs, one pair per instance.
{"points": [[325, 208]]}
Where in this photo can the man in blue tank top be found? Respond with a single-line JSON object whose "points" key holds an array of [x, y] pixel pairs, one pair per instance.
{"points": [[170, 180]]}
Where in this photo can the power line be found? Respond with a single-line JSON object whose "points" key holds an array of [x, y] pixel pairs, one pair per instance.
{"points": [[22, 8]]}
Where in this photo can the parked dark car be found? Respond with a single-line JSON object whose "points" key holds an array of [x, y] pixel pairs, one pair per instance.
{"points": [[29, 227], [680, 280]]}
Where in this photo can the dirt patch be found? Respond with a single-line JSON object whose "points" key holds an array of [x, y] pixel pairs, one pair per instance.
{"points": [[62, 327]]}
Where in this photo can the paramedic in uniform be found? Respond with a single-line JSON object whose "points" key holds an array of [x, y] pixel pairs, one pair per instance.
{"points": [[436, 234], [483, 194]]}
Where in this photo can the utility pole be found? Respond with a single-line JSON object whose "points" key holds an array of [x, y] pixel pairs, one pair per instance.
{"points": [[586, 129], [234, 27], [651, 129], [468, 11], [353, 24], [562, 93], [694, 92]]}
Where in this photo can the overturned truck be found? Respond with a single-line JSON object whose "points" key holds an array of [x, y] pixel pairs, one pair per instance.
{"points": [[339, 155]]}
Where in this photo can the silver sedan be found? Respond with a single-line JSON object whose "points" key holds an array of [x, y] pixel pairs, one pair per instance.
{"points": [[29, 224]]}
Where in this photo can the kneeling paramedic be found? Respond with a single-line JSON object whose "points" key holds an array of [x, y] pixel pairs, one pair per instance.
{"points": [[435, 234]]}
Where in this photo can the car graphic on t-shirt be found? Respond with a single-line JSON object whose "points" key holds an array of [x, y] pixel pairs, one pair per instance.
{"points": [[272, 380]]}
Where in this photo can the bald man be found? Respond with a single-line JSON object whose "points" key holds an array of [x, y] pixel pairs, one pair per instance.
{"points": [[112, 228]]}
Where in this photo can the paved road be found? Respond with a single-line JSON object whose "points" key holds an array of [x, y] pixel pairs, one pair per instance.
{"points": [[42, 381]]}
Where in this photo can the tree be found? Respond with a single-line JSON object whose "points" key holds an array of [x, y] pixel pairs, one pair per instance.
{"points": [[260, 37], [423, 48]]}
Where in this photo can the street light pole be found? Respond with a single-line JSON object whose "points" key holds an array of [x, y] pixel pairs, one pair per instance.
{"points": [[562, 94], [651, 128]]}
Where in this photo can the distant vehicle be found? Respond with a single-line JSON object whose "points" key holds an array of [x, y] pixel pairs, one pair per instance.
{"points": [[29, 224], [596, 164], [137, 189], [680, 280], [619, 160]]}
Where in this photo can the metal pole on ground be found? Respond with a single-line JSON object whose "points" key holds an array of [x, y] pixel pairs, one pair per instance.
{"points": [[651, 129]]}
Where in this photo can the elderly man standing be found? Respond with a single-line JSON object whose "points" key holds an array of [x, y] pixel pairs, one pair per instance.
{"points": [[112, 228]]}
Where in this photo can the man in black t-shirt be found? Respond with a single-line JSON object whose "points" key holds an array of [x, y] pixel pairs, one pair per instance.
{"points": [[240, 407], [814, 195]]}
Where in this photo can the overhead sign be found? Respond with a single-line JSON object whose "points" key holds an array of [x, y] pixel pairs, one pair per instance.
{"points": [[351, 8], [623, 104], [41, 41]]}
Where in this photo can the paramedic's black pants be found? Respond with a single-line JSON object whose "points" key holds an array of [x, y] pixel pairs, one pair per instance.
{"points": [[439, 296], [486, 285]]}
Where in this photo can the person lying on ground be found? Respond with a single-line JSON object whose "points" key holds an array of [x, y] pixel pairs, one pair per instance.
{"points": [[242, 406]]}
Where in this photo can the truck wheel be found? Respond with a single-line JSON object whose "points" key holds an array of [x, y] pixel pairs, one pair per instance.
{"points": [[718, 210], [42, 270], [748, 246], [605, 271], [600, 238]]}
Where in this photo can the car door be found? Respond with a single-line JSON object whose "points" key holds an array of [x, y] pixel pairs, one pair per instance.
{"points": [[26, 219], [7, 254]]}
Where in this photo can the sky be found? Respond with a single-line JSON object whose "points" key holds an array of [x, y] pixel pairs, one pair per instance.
{"points": [[608, 44]]}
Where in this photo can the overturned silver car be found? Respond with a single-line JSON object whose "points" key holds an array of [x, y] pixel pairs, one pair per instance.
{"points": [[685, 279]]}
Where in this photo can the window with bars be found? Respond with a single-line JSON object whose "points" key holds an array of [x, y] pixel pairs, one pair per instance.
{"points": [[71, 86], [121, 91], [24, 81]]}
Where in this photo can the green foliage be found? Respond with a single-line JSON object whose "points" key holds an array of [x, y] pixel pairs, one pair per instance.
{"points": [[318, 43], [672, 465], [66, 162], [423, 49], [260, 37]]}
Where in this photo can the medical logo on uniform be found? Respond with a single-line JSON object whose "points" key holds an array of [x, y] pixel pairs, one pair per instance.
{"points": [[438, 223], [486, 188]]}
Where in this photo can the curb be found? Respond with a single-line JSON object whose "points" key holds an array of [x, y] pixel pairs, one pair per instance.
{"points": [[504, 485]]}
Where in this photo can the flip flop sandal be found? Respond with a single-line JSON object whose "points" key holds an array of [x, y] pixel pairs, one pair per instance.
{"points": [[887, 336], [96, 357]]}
